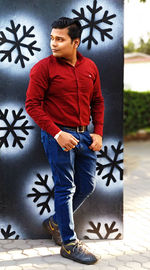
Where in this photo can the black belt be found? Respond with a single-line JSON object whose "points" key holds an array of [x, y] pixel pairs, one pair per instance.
{"points": [[77, 129]]}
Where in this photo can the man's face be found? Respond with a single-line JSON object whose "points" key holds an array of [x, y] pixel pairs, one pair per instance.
{"points": [[61, 43]]}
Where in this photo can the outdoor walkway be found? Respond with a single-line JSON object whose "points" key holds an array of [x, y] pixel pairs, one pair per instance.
{"points": [[133, 252]]}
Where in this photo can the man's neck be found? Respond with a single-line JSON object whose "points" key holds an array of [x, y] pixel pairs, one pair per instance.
{"points": [[72, 60]]}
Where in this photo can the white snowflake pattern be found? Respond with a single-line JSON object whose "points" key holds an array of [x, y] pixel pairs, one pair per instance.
{"points": [[111, 163], [17, 43], [110, 229], [45, 194], [12, 128], [8, 233], [92, 23]]}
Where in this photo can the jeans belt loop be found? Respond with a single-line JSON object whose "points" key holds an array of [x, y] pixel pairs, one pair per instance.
{"points": [[81, 129]]}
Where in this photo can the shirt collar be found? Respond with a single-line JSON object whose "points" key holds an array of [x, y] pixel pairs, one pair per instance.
{"points": [[79, 59]]}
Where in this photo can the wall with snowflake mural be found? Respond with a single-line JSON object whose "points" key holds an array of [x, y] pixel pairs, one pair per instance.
{"points": [[27, 190]]}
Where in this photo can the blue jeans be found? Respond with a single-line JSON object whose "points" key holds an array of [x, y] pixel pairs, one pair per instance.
{"points": [[73, 174]]}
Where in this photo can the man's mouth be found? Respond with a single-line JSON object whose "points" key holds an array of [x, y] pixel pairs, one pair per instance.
{"points": [[53, 50]]}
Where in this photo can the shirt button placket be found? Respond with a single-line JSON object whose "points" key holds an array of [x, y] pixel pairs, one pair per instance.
{"points": [[78, 94]]}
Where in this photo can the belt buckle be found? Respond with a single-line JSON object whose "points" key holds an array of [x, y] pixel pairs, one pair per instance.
{"points": [[80, 129]]}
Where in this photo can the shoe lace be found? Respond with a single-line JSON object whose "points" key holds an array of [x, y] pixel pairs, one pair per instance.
{"points": [[79, 246]]}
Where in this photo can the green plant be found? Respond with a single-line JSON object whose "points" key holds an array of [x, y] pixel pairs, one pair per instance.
{"points": [[136, 114]]}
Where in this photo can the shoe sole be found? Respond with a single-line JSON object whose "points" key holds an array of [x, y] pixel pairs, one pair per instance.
{"points": [[76, 260], [47, 228]]}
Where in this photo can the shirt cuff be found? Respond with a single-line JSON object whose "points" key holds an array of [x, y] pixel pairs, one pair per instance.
{"points": [[57, 135], [98, 129]]}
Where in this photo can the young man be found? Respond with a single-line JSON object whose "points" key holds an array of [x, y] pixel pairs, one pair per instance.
{"points": [[64, 90]]}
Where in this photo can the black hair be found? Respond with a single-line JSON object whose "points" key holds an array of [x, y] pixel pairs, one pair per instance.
{"points": [[73, 25]]}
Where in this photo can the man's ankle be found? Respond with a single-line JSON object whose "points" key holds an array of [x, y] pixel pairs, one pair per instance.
{"points": [[69, 242]]}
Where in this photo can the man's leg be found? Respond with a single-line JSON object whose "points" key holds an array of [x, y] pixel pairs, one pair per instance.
{"points": [[62, 165], [85, 168]]}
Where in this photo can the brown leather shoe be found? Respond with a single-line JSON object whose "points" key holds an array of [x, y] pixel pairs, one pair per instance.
{"points": [[78, 251], [53, 230]]}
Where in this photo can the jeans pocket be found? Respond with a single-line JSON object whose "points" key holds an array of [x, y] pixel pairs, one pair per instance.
{"points": [[42, 136], [88, 138], [46, 136]]}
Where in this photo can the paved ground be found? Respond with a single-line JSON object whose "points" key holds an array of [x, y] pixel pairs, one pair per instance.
{"points": [[133, 252]]}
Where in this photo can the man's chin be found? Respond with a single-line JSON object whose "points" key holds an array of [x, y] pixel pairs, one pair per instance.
{"points": [[56, 54]]}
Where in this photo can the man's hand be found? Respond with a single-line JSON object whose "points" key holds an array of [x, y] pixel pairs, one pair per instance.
{"points": [[67, 141], [97, 142]]}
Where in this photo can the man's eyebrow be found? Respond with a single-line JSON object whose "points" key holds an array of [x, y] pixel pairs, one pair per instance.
{"points": [[57, 36]]}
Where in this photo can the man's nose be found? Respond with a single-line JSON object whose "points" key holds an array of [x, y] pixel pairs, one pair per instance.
{"points": [[53, 43]]}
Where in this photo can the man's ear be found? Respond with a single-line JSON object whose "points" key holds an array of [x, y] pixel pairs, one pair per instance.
{"points": [[76, 43]]}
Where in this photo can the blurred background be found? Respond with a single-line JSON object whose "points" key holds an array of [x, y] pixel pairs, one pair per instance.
{"points": [[136, 70]]}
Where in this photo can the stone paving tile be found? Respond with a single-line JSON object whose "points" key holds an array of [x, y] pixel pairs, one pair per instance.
{"points": [[30, 252], [137, 248], [58, 266], [115, 252], [7, 263], [43, 266], [2, 249], [42, 251], [96, 266], [40, 243], [30, 260], [134, 265], [74, 267], [103, 263], [5, 241], [146, 265], [124, 268], [4, 256], [27, 266], [13, 267], [101, 267], [107, 256], [140, 258], [55, 259], [54, 250], [18, 256], [11, 245], [125, 258], [116, 263]]}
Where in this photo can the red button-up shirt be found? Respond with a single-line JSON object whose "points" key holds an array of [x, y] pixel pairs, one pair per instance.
{"points": [[63, 94]]}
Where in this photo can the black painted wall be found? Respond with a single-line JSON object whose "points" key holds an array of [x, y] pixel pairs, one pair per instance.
{"points": [[26, 185]]}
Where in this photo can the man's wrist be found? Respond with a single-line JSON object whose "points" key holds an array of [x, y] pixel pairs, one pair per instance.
{"points": [[98, 134], [57, 135]]}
